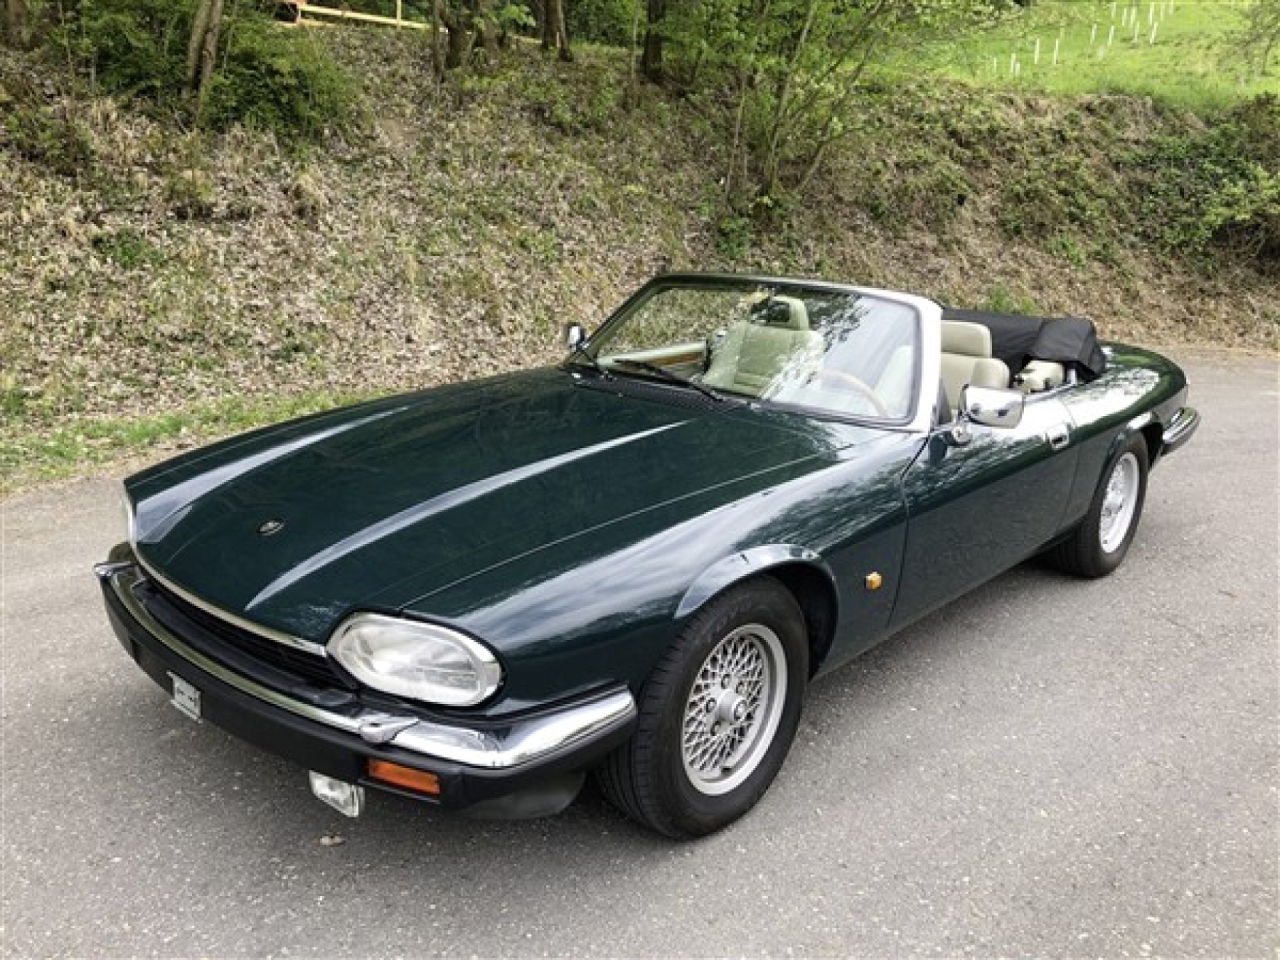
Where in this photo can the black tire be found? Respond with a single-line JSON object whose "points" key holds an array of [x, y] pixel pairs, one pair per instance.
{"points": [[668, 776], [1098, 546]]}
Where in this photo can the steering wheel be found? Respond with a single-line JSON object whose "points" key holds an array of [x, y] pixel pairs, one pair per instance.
{"points": [[839, 378]]}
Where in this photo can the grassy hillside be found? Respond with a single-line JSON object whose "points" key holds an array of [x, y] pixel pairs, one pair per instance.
{"points": [[160, 286], [1181, 52]]}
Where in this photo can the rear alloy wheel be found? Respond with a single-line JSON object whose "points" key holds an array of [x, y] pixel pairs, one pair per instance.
{"points": [[717, 715], [1100, 543]]}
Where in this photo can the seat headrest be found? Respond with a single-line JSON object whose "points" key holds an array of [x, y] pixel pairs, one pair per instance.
{"points": [[989, 373], [787, 313], [967, 339]]}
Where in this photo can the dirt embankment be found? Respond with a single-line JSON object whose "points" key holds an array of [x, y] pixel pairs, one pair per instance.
{"points": [[144, 269]]}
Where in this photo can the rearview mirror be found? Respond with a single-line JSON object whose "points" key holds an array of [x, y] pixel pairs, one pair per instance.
{"points": [[991, 406], [574, 335]]}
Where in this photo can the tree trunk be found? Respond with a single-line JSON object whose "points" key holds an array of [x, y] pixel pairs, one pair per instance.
{"points": [[15, 22], [779, 124], [202, 49], [651, 64], [437, 42], [633, 59], [456, 49], [554, 32], [455, 36], [487, 28]]}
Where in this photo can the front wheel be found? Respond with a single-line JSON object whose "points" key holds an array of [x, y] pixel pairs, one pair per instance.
{"points": [[1099, 544], [717, 715]]}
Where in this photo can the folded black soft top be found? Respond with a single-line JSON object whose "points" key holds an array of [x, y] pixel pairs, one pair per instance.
{"points": [[1017, 340]]}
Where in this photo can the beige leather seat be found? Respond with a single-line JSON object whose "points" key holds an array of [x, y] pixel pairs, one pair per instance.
{"points": [[755, 353], [966, 359]]}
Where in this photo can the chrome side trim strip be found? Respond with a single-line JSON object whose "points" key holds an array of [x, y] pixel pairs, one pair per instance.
{"points": [[309, 646], [519, 743]]}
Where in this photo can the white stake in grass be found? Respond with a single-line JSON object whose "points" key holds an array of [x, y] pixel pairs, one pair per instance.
{"points": [[1036, 55], [1093, 35], [1111, 36], [1152, 41], [1055, 50]]}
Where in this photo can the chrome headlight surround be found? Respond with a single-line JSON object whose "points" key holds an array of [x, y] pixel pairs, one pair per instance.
{"points": [[420, 661]]}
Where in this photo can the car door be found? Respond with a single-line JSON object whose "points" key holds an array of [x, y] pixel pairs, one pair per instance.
{"points": [[975, 510]]}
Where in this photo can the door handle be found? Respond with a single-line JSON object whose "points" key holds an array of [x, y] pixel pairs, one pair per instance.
{"points": [[1059, 435]]}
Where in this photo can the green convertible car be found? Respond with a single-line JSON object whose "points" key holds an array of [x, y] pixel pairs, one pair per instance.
{"points": [[634, 562]]}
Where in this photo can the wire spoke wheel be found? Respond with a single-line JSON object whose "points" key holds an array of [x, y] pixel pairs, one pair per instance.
{"points": [[733, 709], [717, 714]]}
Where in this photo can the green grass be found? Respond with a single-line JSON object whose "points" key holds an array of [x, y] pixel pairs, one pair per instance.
{"points": [[1191, 62], [29, 456]]}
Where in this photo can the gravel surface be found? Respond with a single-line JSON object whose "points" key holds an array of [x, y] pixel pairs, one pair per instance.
{"points": [[1046, 767]]}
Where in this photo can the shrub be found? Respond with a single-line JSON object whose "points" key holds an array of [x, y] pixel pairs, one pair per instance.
{"points": [[1216, 188], [62, 144], [604, 21], [131, 47], [126, 248], [278, 80], [1049, 195], [268, 77]]}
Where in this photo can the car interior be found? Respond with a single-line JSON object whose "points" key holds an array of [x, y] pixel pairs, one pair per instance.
{"points": [[780, 352]]}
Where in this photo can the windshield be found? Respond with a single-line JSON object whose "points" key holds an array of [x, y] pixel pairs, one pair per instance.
{"points": [[838, 351]]}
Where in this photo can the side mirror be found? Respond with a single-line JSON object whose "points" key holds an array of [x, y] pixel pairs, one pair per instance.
{"points": [[575, 335], [991, 406]]}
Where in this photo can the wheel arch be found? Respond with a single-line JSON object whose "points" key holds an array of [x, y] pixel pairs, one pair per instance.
{"points": [[801, 571], [1149, 427], [1153, 433]]}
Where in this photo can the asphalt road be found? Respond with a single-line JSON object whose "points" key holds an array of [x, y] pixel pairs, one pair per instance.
{"points": [[1047, 767]]}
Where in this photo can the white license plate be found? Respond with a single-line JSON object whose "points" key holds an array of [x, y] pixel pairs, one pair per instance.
{"points": [[185, 697]]}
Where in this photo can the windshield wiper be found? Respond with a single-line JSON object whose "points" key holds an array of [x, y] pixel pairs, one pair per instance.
{"points": [[668, 376]]}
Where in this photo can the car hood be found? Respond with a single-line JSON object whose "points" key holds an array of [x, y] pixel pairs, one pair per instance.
{"points": [[375, 505]]}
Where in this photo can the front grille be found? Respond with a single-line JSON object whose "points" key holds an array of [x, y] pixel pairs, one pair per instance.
{"points": [[269, 661]]}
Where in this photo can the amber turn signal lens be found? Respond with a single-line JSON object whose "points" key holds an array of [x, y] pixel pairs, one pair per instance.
{"points": [[418, 780]]}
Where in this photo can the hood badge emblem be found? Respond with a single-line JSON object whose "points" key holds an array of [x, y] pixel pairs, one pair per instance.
{"points": [[270, 528]]}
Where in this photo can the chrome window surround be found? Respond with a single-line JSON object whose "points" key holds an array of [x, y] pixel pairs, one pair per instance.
{"points": [[523, 741]]}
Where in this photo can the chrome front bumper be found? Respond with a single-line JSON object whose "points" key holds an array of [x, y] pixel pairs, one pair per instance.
{"points": [[495, 747]]}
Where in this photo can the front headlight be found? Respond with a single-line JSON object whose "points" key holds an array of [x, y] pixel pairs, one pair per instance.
{"points": [[421, 661]]}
